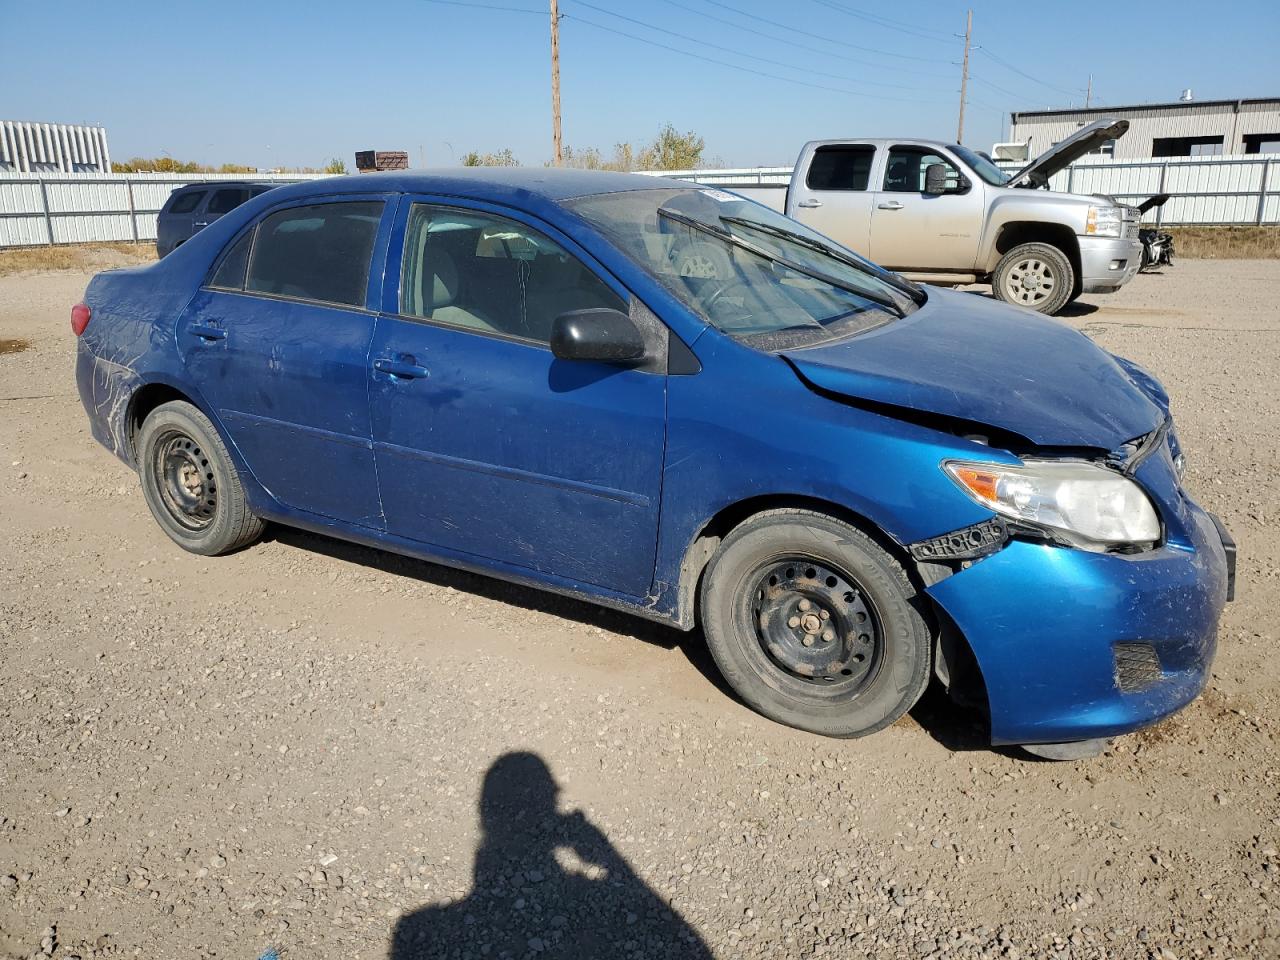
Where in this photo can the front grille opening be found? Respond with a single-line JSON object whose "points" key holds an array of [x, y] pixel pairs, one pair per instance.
{"points": [[1137, 666]]}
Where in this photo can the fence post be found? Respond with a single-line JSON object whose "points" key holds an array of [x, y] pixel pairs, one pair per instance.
{"points": [[133, 213], [1262, 192], [44, 201], [1164, 170]]}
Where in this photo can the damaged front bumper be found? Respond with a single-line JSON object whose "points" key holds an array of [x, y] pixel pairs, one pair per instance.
{"points": [[1075, 645]]}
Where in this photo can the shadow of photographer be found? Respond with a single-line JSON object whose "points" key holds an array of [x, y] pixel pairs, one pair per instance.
{"points": [[546, 884]]}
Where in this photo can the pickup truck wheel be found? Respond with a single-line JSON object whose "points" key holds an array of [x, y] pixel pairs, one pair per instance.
{"points": [[190, 482], [1035, 275], [814, 625]]}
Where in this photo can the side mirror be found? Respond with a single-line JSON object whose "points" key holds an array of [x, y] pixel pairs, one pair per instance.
{"points": [[598, 333], [935, 179]]}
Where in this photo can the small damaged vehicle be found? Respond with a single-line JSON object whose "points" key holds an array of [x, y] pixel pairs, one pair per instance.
{"points": [[849, 482]]}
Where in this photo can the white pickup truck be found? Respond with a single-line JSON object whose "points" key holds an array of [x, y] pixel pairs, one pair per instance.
{"points": [[941, 213]]}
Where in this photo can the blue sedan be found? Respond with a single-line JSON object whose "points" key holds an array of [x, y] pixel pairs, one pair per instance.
{"points": [[673, 401]]}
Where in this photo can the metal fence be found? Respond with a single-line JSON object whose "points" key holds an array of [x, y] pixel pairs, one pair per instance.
{"points": [[1238, 190], [43, 209]]}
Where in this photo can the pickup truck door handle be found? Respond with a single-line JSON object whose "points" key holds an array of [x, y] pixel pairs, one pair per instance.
{"points": [[809, 203], [207, 333], [401, 369], [890, 205]]}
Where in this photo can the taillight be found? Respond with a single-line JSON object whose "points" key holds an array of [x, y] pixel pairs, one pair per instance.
{"points": [[80, 315]]}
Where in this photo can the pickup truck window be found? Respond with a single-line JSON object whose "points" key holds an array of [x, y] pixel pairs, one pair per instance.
{"points": [[983, 167], [721, 255], [904, 173], [840, 167]]}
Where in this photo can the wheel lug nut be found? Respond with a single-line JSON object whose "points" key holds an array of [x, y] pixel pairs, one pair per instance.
{"points": [[793, 622], [828, 635], [804, 604], [808, 640], [824, 614]]}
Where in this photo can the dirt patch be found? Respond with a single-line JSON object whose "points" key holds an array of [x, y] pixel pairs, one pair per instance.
{"points": [[13, 345]]}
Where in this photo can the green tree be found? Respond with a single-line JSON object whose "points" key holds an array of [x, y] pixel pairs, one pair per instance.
{"points": [[336, 165], [503, 158], [672, 150]]}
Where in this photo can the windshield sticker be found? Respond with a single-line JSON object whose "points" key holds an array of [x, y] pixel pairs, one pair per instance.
{"points": [[720, 195]]}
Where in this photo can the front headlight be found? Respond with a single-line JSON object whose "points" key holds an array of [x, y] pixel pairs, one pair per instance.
{"points": [[1090, 506], [1104, 222]]}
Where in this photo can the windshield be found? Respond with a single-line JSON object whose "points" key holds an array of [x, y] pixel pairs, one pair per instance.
{"points": [[747, 270], [983, 167]]}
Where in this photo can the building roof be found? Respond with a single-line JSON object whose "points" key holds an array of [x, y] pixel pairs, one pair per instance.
{"points": [[1111, 110]]}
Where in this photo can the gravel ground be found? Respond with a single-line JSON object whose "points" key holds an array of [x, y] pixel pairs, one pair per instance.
{"points": [[336, 753]]}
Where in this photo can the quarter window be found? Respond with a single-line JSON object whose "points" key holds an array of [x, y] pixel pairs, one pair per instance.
{"points": [[316, 252], [230, 273], [904, 173], [488, 273], [840, 168], [187, 202]]}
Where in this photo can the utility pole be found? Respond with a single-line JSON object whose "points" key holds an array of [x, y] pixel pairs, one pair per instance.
{"points": [[964, 75], [555, 82], [1088, 93]]}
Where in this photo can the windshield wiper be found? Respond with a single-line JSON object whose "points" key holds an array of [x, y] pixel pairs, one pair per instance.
{"points": [[887, 302], [909, 289]]}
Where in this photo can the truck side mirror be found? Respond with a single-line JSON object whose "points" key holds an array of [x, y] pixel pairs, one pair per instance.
{"points": [[935, 179]]}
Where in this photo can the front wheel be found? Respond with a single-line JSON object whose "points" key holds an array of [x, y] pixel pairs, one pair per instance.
{"points": [[190, 482], [814, 625], [1035, 275]]}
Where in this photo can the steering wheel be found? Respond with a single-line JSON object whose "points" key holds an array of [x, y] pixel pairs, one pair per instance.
{"points": [[721, 290]]}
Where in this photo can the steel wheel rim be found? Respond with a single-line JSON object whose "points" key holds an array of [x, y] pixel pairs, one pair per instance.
{"points": [[1029, 281], [184, 476], [815, 626]]}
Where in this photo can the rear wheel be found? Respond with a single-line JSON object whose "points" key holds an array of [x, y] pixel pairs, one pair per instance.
{"points": [[814, 625], [190, 482], [1035, 275]]}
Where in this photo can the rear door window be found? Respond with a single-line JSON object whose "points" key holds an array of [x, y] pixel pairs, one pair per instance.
{"points": [[230, 272], [186, 202], [841, 167], [224, 201], [316, 252]]}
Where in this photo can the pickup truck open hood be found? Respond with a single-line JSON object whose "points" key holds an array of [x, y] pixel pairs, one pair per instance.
{"points": [[968, 358], [1065, 152]]}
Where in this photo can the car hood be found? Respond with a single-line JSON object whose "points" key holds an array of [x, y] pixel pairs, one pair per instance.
{"points": [[1065, 152], [975, 360]]}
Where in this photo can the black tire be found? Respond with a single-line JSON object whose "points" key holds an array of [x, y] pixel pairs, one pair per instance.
{"points": [[1035, 275], [873, 668], [190, 482]]}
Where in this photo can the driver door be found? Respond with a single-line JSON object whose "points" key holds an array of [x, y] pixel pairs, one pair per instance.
{"points": [[486, 445], [914, 231]]}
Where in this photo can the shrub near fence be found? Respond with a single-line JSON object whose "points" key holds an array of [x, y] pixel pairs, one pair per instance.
{"points": [[40, 209]]}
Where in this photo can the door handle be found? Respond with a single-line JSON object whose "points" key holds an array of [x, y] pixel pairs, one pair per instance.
{"points": [[809, 203], [890, 205], [207, 333], [200, 223], [402, 369]]}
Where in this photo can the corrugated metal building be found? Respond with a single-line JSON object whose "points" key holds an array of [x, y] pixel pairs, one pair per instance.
{"points": [[1184, 128], [52, 148]]}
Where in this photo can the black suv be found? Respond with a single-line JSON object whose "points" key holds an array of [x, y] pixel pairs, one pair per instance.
{"points": [[191, 208]]}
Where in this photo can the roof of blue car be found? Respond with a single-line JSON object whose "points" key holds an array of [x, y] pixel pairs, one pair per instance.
{"points": [[486, 182]]}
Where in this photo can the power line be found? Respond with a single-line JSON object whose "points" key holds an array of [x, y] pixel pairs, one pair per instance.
{"points": [[1022, 73], [1020, 97], [922, 33], [734, 66], [488, 6], [749, 56], [818, 36]]}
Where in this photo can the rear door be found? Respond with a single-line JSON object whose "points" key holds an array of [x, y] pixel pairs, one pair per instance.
{"points": [[222, 200], [834, 197], [488, 446], [913, 230], [277, 341]]}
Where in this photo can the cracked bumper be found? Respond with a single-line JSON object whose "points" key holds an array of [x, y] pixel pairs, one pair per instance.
{"points": [[1043, 622], [105, 391]]}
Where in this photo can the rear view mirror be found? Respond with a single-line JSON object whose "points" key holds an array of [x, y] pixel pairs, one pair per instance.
{"points": [[598, 333], [935, 179]]}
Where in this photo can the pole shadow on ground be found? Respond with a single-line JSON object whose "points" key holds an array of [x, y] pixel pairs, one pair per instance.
{"points": [[525, 903]]}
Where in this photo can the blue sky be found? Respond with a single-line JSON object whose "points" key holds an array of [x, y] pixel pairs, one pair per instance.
{"points": [[297, 83]]}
